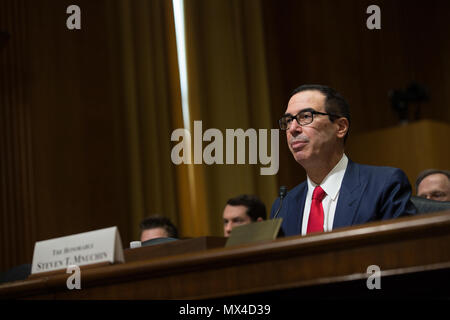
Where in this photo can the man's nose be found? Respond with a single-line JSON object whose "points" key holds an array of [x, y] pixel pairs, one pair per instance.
{"points": [[228, 228], [295, 128]]}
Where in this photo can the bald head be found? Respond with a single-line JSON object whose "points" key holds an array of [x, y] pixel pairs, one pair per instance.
{"points": [[434, 185]]}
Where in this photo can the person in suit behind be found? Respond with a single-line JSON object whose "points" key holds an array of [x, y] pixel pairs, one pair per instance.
{"points": [[434, 184], [156, 226], [338, 192], [241, 210], [20, 272]]}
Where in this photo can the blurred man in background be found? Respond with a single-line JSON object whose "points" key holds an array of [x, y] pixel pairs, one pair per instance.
{"points": [[242, 210], [434, 184], [157, 226]]}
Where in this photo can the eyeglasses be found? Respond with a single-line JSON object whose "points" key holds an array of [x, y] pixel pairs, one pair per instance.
{"points": [[303, 118]]}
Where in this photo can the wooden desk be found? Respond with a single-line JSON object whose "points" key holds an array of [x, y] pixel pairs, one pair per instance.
{"points": [[174, 248], [294, 265]]}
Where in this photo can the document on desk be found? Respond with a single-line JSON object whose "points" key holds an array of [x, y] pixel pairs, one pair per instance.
{"points": [[254, 232]]}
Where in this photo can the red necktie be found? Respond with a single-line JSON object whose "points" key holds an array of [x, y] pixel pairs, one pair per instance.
{"points": [[315, 222]]}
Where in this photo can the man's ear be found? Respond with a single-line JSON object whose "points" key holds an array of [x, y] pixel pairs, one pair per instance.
{"points": [[342, 127], [259, 219]]}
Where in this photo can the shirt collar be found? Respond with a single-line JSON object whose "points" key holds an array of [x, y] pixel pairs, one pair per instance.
{"points": [[332, 182]]}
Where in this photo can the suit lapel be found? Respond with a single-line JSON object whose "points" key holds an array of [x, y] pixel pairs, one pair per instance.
{"points": [[349, 196], [299, 206]]}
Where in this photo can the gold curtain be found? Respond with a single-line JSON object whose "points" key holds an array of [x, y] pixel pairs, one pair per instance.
{"points": [[149, 92], [228, 88]]}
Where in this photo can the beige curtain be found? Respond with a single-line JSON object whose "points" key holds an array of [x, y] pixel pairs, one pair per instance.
{"points": [[228, 88], [149, 94]]}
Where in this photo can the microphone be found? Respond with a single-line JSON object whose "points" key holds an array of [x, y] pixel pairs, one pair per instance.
{"points": [[282, 193]]}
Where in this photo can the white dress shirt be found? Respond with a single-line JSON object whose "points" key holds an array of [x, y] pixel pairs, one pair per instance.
{"points": [[331, 185]]}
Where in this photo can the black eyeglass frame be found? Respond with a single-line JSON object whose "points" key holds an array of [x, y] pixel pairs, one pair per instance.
{"points": [[312, 111]]}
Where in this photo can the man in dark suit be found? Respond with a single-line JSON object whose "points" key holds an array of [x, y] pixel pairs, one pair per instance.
{"points": [[338, 192]]}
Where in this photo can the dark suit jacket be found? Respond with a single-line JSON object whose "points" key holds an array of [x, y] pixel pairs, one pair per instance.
{"points": [[367, 193]]}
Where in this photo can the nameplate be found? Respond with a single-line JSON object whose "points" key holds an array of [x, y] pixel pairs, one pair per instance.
{"points": [[81, 249]]}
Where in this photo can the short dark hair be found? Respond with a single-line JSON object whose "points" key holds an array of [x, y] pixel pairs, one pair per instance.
{"points": [[157, 221], [255, 208], [334, 102], [428, 172]]}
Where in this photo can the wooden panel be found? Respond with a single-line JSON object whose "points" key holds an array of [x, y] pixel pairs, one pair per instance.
{"points": [[77, 133], [401, 246], [17, 192], [413, 147], [63, 164]]}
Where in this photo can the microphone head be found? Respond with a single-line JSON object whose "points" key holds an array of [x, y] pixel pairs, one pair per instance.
{"points": [[283, 191]]}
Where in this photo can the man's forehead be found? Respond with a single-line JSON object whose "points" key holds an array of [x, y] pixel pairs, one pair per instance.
{"points": [[435, 178], [234, 211], [155, 231], [309, 99]]}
